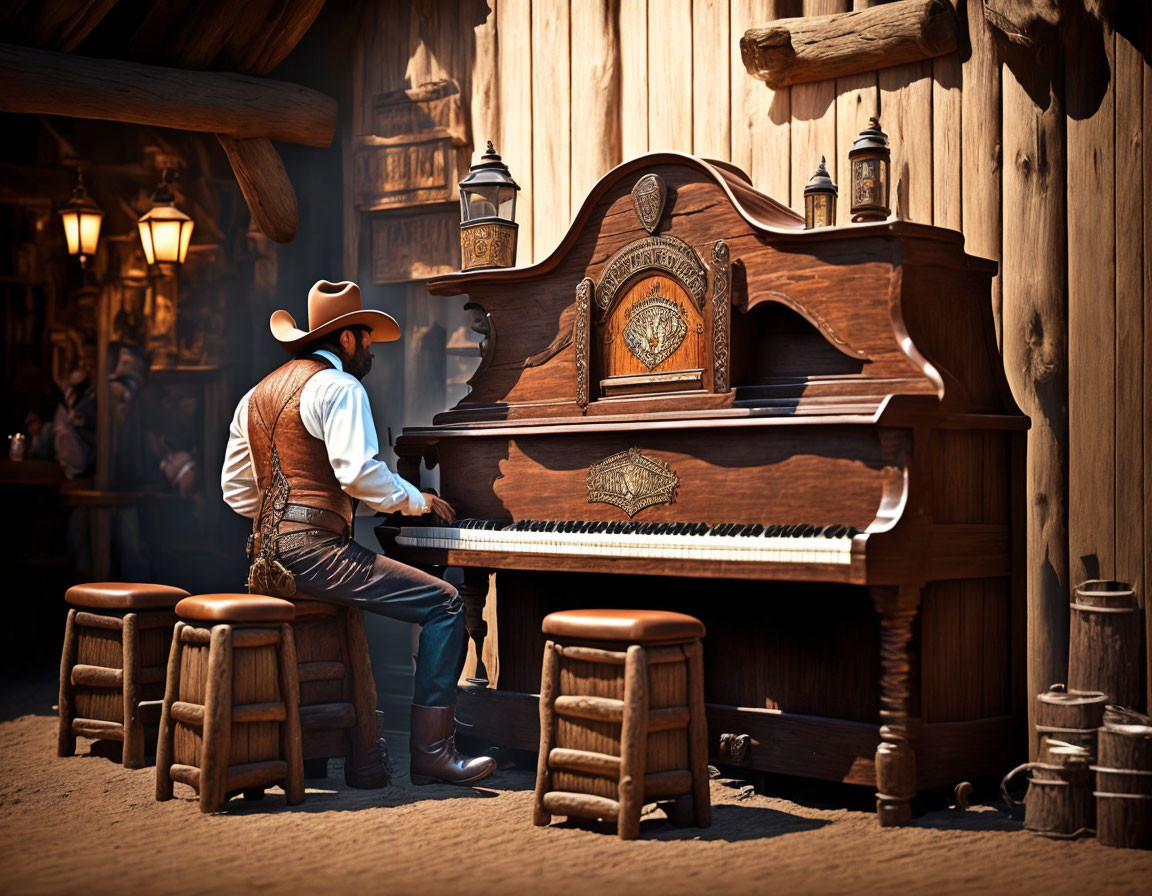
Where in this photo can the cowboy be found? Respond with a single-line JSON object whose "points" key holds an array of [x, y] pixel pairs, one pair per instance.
{"points": [[301, 453]]}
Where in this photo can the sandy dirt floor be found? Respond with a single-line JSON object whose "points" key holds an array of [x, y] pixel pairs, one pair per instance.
{"points": [[84, 825]]}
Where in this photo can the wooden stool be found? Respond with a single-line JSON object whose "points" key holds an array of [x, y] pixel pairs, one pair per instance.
{"points": [[337, 690], [112, 665], [230, 721], [622, 717]]}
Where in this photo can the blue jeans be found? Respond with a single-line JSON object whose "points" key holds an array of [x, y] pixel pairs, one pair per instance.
{"points": [[341, 571]]}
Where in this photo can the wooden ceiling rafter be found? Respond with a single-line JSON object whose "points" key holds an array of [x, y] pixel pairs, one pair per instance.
{"points": [[245, 111]]}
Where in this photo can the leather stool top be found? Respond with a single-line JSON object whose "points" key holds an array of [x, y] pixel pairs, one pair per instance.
{"points": [[633, 626], [235, 608], [124, 596]]}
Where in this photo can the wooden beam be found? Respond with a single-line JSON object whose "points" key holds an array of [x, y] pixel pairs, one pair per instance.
{"points": [[260, 172], [798, 51], [40, 82]]}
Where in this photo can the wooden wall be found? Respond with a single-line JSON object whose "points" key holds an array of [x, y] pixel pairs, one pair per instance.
{"points": [[1036, 154]]}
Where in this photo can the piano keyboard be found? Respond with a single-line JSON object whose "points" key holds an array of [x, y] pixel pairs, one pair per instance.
{"points": [[799, 543]]}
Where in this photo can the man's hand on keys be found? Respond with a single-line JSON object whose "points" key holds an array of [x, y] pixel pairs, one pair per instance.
{"points": [[441, 508]]}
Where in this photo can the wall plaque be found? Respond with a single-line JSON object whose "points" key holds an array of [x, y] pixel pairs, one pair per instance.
{"points": [[663, 253], [631, 481], [416, 243], [655, 328]]}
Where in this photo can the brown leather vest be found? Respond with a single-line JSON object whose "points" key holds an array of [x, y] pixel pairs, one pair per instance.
{"points": [[277, 437]]}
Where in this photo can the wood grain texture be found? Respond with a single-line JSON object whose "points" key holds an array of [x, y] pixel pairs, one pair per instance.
{"points": [[906, 114], [634, 77], [596, 109], [760, 116], [41, 82], [1147, 409], [947, 133], [711, 75], [980, 154], [1091, 316], [819, 47], [670, 75], [1035, 354], [264, 182], [551, 143], [857, 100], [514, 66], [1132, 426]]}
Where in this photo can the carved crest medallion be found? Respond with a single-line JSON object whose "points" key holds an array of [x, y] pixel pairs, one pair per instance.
{"points": [[631, 481], [648, 198], [655, 329]]}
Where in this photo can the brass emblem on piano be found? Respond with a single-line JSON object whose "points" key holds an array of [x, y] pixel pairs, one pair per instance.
{"points": [[631, 481], [648, 198], [655, 329]]}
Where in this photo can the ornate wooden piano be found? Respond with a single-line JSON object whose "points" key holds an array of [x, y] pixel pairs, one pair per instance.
{"points": [[804, 438]]}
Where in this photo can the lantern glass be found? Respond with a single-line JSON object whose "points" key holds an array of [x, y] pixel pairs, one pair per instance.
{"points": [[819, 209], [81, 218], [479, 202], [165, 233], [89, 231]]}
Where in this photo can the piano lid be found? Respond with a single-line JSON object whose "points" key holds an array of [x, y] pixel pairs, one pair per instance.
{"points": [[681, 290]]}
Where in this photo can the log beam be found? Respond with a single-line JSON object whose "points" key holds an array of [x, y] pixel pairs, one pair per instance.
{"points": [[819, 48], [39, 82], [260, 172]]}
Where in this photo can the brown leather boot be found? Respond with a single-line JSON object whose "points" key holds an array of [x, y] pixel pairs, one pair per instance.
{"points": [[434, 756]]}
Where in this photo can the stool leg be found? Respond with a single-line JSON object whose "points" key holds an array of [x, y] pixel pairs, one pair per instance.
{"points": [[363, 767], [633, 743], [550, 672], [291, 745], [65, 739], [698, 735], [164, 749], [217, 721], [133, 724]]}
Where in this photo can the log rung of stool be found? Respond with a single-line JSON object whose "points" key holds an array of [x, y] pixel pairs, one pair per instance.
{"points": [[230, 719], [112, 665], [622, 717], [337, 691]]}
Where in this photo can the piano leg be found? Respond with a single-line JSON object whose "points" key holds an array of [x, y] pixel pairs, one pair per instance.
{"points": [[474, 592], [896, 754]]}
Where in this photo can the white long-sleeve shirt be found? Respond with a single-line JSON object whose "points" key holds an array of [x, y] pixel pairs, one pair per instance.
{"points": [[334, 408]]}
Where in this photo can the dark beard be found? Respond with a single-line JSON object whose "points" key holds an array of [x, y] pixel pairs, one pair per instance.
{"points": [[360, 363]]}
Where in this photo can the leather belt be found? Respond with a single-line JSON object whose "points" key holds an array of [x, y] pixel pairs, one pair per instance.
{"points": [[296, 541], [316, 516]]}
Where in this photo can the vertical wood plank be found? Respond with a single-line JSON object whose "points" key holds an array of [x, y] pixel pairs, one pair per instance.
{"points": [[946, 139], [1146, 104], [670, 75], [1035, 351], [813, 117], [711, 70], [551, 145], [514, 64], [1131, 428], [595, 126], [1091, 315], [906, 114], [634, 77], [484, 105], [857, 100], [761, 117], [980, 150]]}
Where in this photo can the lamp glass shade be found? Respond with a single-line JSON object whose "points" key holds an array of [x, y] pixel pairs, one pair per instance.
{"points": [[81, 218], [165, 233]]}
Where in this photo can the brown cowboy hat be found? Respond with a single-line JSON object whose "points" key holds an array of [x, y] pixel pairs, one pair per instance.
{"points": [[332, 306]]}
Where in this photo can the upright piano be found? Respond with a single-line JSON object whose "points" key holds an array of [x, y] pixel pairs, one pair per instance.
{"points": [[803, 437]]}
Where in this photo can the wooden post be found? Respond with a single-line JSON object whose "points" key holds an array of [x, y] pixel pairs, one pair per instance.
{"points": [[260, 172], [65, 739], [217, 744], [291, 742], [474, 592], [633, 743], [549, 678], [1035, 347], [164, 745], [133, 756], [896, 754], [364, 767], [698, 735]]}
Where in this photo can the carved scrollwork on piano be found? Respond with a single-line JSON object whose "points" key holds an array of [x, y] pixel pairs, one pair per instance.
{"points": [[580, 328], [653, 253], [631, 480], [721, 314]]}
